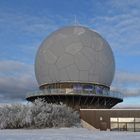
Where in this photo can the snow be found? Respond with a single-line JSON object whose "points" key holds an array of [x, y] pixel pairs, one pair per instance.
{"points": [[65, 134]]}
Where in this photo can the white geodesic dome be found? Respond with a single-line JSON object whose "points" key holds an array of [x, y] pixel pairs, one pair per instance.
{"points": [[74, 54]]}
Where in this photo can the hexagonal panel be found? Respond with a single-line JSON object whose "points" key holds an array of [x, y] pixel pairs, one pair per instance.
{"points": [[90, 54], [64, 61], [49, 57], [63, 75], [73, 48], [97, 42], [82, 62], [53, 72], [83, 76], [73, 72], [86, 39]]}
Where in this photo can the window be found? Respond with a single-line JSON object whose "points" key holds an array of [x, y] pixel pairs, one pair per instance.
{"points": [[130, 127], [126, 119], [88, 87], [114, 126], [125, 124], [137, 127], [114, 119], [137, 119]]}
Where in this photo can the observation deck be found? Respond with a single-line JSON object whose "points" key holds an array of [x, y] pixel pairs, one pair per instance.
{"points": [[86, 98]]}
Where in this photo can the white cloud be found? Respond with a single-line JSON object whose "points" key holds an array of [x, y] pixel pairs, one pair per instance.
{"points": [[127, 83], [12, 66], [124, 4], [122, 31], [20, 81], [17, 78], [123, 78], [127, 92], [128, 105], [31, 24]]}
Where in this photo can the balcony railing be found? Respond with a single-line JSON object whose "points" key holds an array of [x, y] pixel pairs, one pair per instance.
{"points": [[108, 93]]}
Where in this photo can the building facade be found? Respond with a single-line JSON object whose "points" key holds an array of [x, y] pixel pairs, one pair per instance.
{"points": [[113, 119]]}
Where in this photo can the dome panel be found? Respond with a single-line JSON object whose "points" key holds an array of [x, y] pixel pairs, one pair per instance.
{"points": [[73, 48], [63, 75], [57, 51], [49, 57], [89, 52], [84, 76], [79, 31], [53, 72], [86, 39], [82, 62], [64, 61], [73, 73]]}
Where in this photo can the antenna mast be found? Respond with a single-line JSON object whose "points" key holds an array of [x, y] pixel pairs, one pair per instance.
{"points": [[75, 20]]}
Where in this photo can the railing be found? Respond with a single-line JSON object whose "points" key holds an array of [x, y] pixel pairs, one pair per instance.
{"points": [[114, 94]]}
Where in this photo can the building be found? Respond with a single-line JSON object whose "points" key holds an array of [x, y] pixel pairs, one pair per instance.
{"points": [[75, 65], [113, 119]]}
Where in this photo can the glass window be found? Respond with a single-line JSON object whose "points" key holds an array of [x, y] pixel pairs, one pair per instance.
{"points": [[137, 119], [88, 87], [77, 88], [114, 126], [126, 119], [130, 127], [105, 91], [137, 127], [69, 90], [113, 119], [123, 126], [98, 90]]}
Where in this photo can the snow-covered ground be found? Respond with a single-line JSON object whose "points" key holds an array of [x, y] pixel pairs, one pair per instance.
{"points": [[66, 134]]}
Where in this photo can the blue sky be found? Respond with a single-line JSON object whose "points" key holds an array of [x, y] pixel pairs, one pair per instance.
{"points": [[24, 24]]}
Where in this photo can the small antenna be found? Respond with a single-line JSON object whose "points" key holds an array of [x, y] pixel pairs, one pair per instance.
{"points": [[75, 20]]}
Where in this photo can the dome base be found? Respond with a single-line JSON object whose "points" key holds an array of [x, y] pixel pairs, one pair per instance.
{"points": [[79, 101]]}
